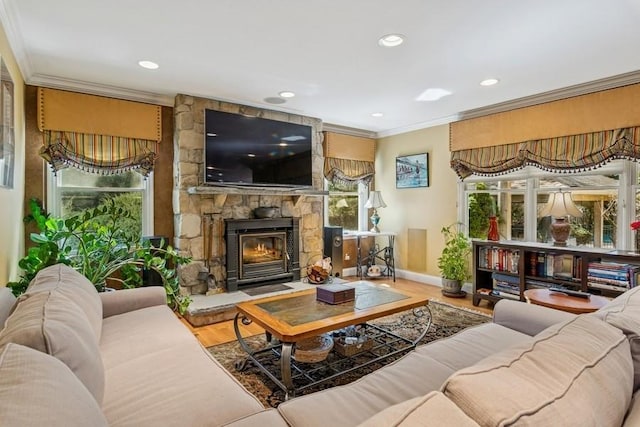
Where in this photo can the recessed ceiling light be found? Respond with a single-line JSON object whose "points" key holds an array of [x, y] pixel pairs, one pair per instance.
{"points": [[489, 82], [287, 94], [251, 155], [433, 94], [283, 144], [211, 134], [377, 114], [149, 65], [391, 40]]}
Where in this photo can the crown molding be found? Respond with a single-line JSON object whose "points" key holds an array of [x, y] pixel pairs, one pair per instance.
{"points": [[9, 21], [418, 126], [528, 101], [101, 90], [345, 130], [555, 95]]}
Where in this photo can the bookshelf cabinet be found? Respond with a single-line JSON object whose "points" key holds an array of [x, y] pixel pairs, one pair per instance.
{"points": [[507, 269]]}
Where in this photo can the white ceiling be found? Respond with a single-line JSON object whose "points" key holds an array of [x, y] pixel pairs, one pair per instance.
{"points": [[327, 53]]}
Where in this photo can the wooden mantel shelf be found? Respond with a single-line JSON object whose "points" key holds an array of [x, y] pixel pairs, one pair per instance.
{"points": [[256, 191]]}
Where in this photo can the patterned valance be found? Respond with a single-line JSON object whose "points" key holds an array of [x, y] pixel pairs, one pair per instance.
{"points": [[347, 172], [565, 154], [96, 133], [98, 153]]}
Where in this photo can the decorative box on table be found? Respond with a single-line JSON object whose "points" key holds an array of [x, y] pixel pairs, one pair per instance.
{"points": [[335, 294]]}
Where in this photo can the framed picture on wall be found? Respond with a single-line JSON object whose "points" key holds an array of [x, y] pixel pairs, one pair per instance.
{"points": [[7, 143], [412, 171]]}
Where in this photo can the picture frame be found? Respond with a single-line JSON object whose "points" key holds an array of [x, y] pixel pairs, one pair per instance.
{"points": [[7, 143], [412, 171]]}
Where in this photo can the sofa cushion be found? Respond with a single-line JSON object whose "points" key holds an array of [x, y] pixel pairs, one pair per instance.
{"points": [[624, 313], [416, 374], [7, 301], [632, 418], [51, 323], [572, 374], [266, 418], [74, 286], [434, 409], [158, 374], [39, 390]]}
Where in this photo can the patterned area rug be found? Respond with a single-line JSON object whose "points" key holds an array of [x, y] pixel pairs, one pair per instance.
{"points": [[446, 321]]}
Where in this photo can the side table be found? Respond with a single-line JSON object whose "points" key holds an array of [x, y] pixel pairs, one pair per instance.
{"points": [[384, 254], [563, 302]]}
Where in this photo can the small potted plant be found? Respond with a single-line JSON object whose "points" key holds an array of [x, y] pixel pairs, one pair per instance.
{"points": [[454, 260]]}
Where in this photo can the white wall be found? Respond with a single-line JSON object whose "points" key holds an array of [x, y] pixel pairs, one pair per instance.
{"points": [[428, 208], [11, 200]]}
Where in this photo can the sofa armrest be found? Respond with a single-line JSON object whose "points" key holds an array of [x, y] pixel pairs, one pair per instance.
{"points": [[125, 300], [529, 319]]}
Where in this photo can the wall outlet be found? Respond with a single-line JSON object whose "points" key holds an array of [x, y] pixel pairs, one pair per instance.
{"points": [[347, 257]]}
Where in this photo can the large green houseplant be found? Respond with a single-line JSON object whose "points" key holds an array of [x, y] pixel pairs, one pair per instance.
{"points": [[94, 244], [454, 260]]}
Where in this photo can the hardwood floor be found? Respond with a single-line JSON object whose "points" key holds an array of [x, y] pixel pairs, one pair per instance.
{"points": [[222, 332]]}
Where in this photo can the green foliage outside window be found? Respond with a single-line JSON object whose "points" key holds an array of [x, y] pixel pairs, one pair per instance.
{"points": [[481, 206]]}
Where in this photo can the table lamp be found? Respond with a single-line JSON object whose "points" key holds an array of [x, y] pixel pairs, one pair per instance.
{"points": [[559, 206], [375, 201]]}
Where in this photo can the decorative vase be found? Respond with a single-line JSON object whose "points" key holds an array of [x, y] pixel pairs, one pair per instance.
{"points": [[493, 229]]}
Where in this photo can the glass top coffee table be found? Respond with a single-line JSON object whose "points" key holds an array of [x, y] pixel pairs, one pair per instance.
{"points": [[295, 317]]}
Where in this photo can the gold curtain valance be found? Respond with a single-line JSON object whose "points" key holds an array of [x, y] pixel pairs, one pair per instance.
{"points": [[98, 153], [97, 115], [340, 146], [566, 154], [348, 172], [348, 159], [585, 114], [98, 134]]}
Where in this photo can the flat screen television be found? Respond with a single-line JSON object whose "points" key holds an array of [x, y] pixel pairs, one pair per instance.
{"points": [[254, 151]]}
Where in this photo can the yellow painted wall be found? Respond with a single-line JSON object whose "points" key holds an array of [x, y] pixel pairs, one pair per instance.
{"points": [[11, 207], [428, 208]]}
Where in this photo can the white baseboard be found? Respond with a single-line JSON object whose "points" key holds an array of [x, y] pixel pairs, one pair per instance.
{"points": [[412, 275]]}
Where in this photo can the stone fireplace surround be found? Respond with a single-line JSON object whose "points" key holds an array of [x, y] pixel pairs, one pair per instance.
{"points": [[200, 211]]}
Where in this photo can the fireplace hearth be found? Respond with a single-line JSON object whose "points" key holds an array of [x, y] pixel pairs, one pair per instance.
{"points": [[261, 252]]}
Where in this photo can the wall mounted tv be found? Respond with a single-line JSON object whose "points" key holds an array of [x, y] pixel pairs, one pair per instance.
{"points": [[254, 151]]}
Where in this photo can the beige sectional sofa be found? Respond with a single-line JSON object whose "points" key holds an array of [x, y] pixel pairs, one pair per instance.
{"points": [[70, 356]]}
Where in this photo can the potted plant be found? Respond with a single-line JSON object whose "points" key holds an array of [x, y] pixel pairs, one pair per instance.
{"points": [[94, 244], [454, 260]]}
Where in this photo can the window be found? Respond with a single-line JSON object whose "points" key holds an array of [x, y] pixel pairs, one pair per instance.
{"points": [[72, 191], [516, 199], [344, 207]]}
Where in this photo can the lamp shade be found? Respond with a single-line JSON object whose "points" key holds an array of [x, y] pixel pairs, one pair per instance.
{"points": [[560, 204], [375, 201], [342, 203]]}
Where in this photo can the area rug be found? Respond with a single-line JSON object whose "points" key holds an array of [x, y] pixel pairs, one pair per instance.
{"points": [[446, 321]]}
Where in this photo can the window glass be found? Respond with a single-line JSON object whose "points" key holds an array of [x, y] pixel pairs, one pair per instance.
{"points": [[596, 196], [502, 199], [75, 191], [343, 206]]}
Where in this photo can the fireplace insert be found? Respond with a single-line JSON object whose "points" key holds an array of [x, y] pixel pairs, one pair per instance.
{"points": [[261, 252]]}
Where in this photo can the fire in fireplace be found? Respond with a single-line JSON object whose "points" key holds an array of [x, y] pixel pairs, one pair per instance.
{"points": [[261, 252]]}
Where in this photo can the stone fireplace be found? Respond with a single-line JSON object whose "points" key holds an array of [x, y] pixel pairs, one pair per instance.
{"points": [[202, 213], [261, 252]]}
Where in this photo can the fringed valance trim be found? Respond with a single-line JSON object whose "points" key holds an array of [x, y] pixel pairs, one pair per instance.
{"points": [[98, 153], [568, 154], [347, 172]]}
